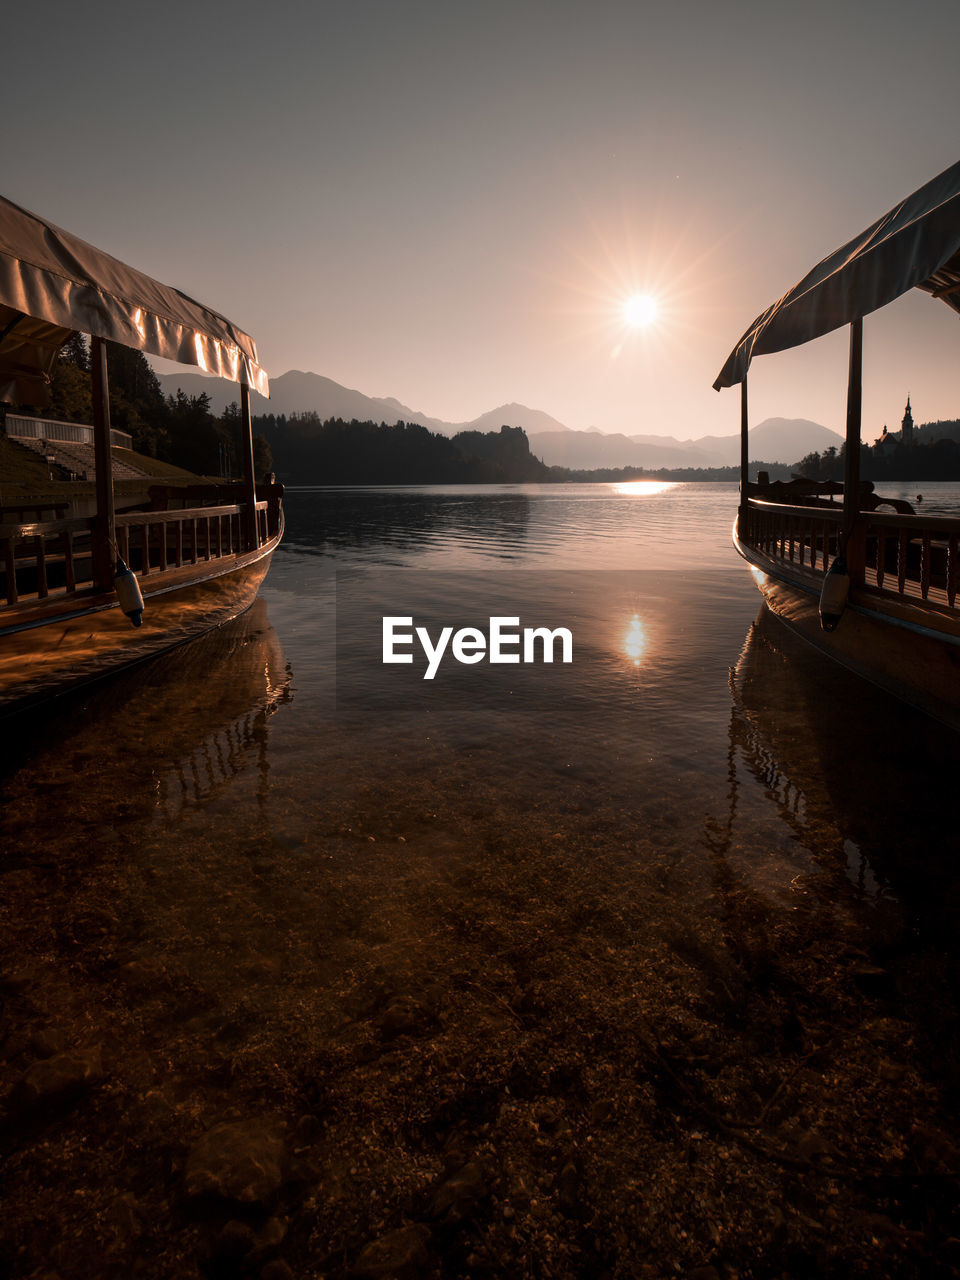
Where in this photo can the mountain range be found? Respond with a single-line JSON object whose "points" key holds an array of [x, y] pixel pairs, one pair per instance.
{"points": [[784, 440]]}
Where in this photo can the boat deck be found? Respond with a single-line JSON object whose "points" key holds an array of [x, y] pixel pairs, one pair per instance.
{"points": [[196, 568], [901, 625], [907, 558]]}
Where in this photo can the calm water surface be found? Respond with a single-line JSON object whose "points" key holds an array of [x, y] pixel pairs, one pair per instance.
{"points": [[682, 696], [270, 818], [685, 711]]}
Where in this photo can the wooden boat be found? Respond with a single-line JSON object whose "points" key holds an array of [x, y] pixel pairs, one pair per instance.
{"points": [[195, 558], [875, 588]]}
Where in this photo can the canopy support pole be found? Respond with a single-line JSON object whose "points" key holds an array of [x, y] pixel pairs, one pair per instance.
{"points": [[249, 479], [744, 443], [851, 468], [104, 529]]}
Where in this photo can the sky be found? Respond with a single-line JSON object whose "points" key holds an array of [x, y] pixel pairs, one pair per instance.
{"points": [[451, 202]]}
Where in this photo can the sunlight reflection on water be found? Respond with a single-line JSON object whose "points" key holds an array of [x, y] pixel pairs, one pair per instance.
{"points": [[634, 641], [642, 488]]}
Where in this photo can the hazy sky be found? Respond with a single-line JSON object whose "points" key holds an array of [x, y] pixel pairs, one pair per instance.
{"points": [[449, 202]]}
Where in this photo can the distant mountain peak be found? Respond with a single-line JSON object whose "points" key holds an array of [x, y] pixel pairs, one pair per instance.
{"points": [[784, 440], [515, 415]]}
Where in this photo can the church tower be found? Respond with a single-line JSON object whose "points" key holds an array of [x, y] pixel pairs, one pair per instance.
{"points": [[906, 425]]}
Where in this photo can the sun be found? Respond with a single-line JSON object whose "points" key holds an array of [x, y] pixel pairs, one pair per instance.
{"points": [[640, 310]]}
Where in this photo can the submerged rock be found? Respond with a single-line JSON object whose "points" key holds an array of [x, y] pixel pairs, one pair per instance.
{"points": [[276, 1270], [49, 1042], [407, 1015], [457, 1194], [237, 1241], [241, 1161], [399, 1255], [568, 1184], [60, 1079], [234, 1241]]}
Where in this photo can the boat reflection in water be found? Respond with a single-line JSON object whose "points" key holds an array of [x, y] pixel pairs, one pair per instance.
{"points": [[170, 732], [232, 698], [78, 647], [862, 782]]}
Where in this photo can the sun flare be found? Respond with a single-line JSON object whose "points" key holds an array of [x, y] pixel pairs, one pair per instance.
{"points": [[640, 310]]}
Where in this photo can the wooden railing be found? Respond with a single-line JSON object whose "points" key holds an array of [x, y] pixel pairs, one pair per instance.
{"points": [[912, 558], [806, 536], [154, 541], [54, 557]]}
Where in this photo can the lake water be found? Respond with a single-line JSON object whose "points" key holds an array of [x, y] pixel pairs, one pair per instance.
{"points": [[657, 944]]}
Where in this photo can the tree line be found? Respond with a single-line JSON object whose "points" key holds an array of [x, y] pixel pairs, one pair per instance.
{"points": [[304, 449], [930, 461], [619, 475], [180, 429], [308, 450]]}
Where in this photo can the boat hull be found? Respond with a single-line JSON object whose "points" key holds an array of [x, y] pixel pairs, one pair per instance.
{"points": [[912, 654], [46, 650]]}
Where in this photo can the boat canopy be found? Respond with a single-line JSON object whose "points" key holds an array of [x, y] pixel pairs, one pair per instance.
{"points": [[915, 245], [52, 284]]}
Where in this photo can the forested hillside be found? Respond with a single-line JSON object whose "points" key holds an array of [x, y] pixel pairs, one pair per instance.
{"points": [[178, 429], [308, 451]]}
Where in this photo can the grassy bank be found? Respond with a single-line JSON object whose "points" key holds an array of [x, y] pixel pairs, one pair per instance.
{"points": [[25, 477]]}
